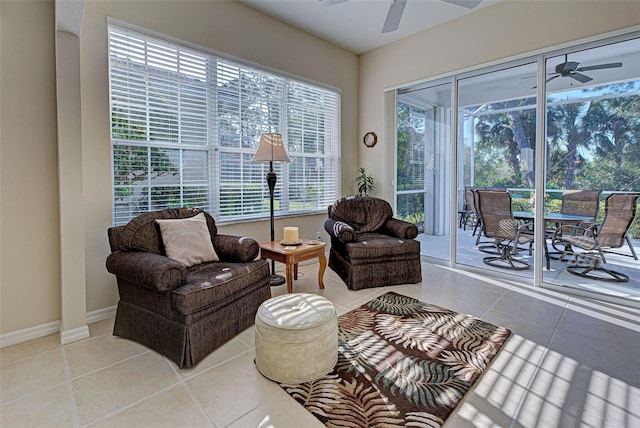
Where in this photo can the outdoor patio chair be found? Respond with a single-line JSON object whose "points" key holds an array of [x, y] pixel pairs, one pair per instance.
{"points": [[576, 202], [477, 227], [589, 244], [468, 215], [498, 224], [581, 202]]}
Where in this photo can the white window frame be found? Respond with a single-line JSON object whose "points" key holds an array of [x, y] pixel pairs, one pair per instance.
{"points": [[187, 126]]}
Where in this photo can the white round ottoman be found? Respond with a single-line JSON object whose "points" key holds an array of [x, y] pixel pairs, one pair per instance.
{"points": [[296, 337]]}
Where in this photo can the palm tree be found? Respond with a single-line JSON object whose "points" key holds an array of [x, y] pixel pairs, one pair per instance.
{"points": [[513, 131], [612, 122], [566, 133]]}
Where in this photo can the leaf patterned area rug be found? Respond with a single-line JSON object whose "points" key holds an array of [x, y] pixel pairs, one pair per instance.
{"points": [[401, 362]]}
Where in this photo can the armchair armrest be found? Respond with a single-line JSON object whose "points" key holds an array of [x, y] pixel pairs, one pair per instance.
{"points": [[340, 230], [238, 249], [147, 269], [400, 229]]}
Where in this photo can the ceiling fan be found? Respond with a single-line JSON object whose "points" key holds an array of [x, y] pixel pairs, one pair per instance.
{"points": [[392, 22], [571, 69]]}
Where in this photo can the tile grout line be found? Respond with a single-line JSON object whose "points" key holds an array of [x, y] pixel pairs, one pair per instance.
{"points": [[185, 387], [115, 363], [29, 357], [180, 381], [193, 375], [30, 395], [72, 396], [514, 419], [502, 296], [197, 402], [141, 400], [133, 404]]}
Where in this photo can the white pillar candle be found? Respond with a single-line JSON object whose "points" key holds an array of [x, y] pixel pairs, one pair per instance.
{"points": [[290, 235]]}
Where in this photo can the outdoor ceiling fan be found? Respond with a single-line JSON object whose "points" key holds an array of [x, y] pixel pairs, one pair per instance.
{"points": [[571, 69], [392, 22]]}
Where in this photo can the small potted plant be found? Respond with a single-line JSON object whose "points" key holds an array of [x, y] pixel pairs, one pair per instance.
{"points": [[365, 182]]}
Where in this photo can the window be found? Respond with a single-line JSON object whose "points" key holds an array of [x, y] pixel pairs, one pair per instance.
{"points": [[185, 125]]}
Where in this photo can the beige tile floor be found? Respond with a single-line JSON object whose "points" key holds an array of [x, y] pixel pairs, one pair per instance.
{"points": [[569, 363]]}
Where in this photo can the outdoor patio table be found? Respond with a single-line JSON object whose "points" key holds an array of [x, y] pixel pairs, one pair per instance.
{"points": [[557, 218], [553, 217]]}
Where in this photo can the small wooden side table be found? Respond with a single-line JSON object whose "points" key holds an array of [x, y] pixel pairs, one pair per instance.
{"points": [[274, 250]]}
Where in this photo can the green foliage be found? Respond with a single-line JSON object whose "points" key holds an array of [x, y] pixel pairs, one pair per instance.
{"points": [[416, 218], [591, 143], [312, 192], [365, 182], [609, 176], [136, 164], [411, 147], [410, 207], [521, 204]]}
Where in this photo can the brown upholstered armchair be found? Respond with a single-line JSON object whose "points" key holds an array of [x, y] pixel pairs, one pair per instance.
{"points": [[370, 248], [187, 305]]}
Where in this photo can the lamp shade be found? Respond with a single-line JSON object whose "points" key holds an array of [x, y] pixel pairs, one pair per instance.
{"points": [[271, 149]]}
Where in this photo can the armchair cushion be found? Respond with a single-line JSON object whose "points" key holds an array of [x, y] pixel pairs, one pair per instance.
{"points": [[377, 247], [205, 289], [187, 240]]}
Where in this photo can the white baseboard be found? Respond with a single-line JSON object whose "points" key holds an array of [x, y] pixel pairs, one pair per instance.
{"points": [[53, 327], [29, 333], [101, 314], [73, 335]]}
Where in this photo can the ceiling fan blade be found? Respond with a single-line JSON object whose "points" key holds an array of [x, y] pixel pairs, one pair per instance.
{"points": [[393, 17], [580, 77], [552, 77], [600, 66], [469, 4]]}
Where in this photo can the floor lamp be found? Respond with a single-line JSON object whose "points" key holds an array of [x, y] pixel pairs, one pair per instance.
{"points": [[271, 149]]}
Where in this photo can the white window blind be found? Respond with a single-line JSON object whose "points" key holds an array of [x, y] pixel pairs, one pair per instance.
{"points": [[186, 124]]}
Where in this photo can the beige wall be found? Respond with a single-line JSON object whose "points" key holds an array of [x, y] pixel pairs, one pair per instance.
{"points": [[30, 261], [30, 257], [509, 28]]}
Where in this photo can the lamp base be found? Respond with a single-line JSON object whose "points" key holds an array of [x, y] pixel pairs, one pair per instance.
{"points": [[276, 280]]}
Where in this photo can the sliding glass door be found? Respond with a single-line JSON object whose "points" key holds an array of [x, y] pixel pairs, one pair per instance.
{"points": [[593, 149], [423, 164], [496, 152], [548, 133]]}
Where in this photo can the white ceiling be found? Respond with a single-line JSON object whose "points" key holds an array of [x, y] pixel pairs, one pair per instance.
{"points": [[356, 24]]}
